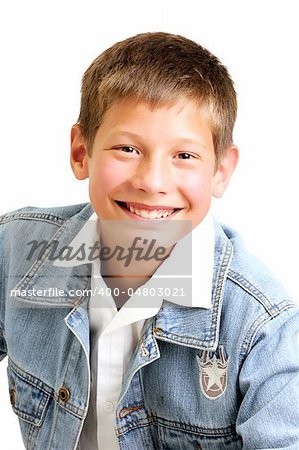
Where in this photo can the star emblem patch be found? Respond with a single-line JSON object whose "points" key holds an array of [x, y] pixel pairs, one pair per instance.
{"points": [[213, 373]]}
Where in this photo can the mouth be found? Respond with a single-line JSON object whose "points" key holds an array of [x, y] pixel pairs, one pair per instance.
{"points": [[146, 212]]}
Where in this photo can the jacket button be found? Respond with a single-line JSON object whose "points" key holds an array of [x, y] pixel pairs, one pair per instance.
{"points": [[64, 394], [12, 396]]}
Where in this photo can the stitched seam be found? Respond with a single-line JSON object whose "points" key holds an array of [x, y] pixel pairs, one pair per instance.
{"points": [[207, 432], [32, 429], [38, 418], [48, 216], [30, 379], [51, 218], [143, 398], [217, 295], [142, 387], [60, 405], [3, 284], [218, 292], [132, 426], [138, 369], [54, 428], [183, 340], [247, 342], [256, 326], [254, 291], [35, 382], [72, 408], [201, 431], [69, 403]]}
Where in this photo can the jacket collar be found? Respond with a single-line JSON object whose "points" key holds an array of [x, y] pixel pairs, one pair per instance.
{"points": [[173, 323], [186, 326], [195, 250]]}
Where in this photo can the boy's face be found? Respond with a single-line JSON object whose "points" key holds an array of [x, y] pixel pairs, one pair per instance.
{"points": [[152, 163]]}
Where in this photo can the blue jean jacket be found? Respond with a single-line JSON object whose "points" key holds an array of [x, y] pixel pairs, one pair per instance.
{"points": [[219, 378]]}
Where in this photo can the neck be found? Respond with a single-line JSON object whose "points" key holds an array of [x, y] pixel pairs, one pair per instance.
{"points": [[129, 266]]}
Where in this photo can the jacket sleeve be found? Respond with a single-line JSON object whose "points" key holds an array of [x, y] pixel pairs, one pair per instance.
{"points": [[268, 416], [2, 296]]}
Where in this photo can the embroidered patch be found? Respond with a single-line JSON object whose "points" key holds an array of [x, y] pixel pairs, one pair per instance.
{"points": [[213, 373]]}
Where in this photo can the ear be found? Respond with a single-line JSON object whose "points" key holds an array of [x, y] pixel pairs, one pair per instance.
{"points": [[225, 169], [79, 154]]}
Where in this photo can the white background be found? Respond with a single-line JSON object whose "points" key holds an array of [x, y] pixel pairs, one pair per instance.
{"points": [[46, 47]]}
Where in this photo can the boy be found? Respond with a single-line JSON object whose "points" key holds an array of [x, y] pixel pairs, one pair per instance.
{"points": [[108, 347]]}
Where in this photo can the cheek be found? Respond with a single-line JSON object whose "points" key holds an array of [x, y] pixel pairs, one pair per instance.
{"points": [[197, 188], [106, 177]]}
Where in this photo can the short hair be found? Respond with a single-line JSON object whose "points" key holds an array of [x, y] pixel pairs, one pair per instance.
{"points": [[159, 68]]}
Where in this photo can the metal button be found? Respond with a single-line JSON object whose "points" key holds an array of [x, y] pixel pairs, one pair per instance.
{"points": [[64, 394], [12, 396]]}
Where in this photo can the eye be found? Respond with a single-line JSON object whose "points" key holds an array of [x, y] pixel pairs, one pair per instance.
{"points": [[126, 149], [185, 156]]}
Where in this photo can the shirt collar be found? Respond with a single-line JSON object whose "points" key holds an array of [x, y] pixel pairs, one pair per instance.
{"points": [[197, 282]]}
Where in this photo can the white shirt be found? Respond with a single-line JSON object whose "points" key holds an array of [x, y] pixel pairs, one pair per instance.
{"points": [[114, 334]]}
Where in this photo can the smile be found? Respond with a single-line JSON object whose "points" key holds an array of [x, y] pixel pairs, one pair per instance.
{"points": [[147, 212]]}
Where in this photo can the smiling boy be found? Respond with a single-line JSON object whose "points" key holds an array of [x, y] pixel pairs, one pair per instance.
{"points": [[133, 356], [151, 163]]}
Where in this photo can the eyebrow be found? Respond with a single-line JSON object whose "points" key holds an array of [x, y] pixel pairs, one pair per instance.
{"points": [[126, 133], [179, 141]]}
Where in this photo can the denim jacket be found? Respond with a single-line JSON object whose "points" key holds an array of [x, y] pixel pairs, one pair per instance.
{"points": [[220, 378]]}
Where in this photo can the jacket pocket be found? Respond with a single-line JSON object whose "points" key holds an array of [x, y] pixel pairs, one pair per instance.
{"points": [[29, 396]]}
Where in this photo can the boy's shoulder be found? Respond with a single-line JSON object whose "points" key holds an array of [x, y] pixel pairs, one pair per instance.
{"points": [[57, 214], [20, 227], [251, 277]]}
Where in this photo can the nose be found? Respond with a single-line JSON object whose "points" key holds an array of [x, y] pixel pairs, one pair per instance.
{"points": [[152, 176]]}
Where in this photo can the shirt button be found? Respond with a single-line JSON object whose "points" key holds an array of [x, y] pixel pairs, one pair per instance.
{"points": [[108, 406]]}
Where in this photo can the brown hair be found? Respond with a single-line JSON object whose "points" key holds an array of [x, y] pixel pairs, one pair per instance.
{"points": [[159, 68]]}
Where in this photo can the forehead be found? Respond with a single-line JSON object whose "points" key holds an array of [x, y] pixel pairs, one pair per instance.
{"points": [[173, 106], [180, 119]]}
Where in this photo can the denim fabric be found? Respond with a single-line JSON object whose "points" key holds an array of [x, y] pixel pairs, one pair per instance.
{"points": [[219, 378]]}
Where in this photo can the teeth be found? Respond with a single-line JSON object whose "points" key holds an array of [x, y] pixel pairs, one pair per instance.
{"points": [[153, 214]]}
